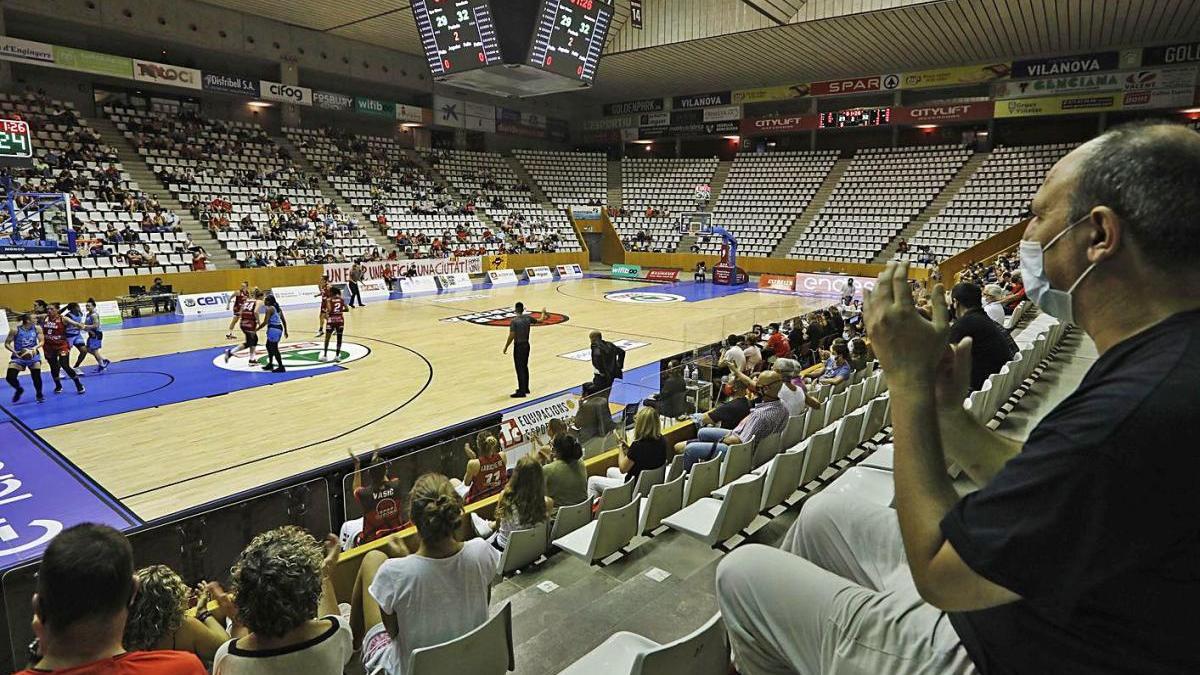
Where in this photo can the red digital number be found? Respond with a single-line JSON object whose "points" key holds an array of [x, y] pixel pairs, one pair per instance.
{"points": [[579, 71], [482, 58], [549, 59], [446, 64], [585, 4]]}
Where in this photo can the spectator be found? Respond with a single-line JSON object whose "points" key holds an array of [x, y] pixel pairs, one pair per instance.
{"points": [[594, 420], [793, 393], [157, 618], [1016, 293], [730, 413], [437, 594], [85, 586], [992, 305], [860, 355], [991, 345], [753, 354], [648, 451], [283, 593], [566, 476], [485, 475], [608, 361], [733, 353], [379, 499], [523, 504], [837, 366], [777, 343], [768, 417]]}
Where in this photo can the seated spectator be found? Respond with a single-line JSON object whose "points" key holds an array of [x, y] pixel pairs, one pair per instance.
{"points": [[992, 305], [523, 503], [733, 353], [836, 368], [793, 393], [378, 499], [777, 343], [730, 413], [860, 355], [566, 476], [767, 418], [85, 586], [158, 620], [284, 597], [648, 451], [1016, 293], [991, 345], [437, 594], [754, 358], [485, 475]]}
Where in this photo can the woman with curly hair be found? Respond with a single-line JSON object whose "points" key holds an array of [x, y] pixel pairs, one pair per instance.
{"points": [[157, 619], [523, 503], [286, 609], [441, 591]]}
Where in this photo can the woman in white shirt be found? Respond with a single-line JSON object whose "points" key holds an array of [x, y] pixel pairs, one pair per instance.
{"points": [[523, 503], [441, 591]]}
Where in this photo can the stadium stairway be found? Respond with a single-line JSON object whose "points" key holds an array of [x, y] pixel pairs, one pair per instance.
{"points": [[441, 180], [805, 219], [535, 190], [717, 183], [935, 207], [330, 194], [614, 184], [218, 256]]}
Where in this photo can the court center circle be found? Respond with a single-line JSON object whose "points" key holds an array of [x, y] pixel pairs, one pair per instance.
{"points": [[301, 355], [644, 297]]}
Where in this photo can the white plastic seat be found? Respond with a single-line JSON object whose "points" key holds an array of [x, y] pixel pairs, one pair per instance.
{"points": [[874, 485], [664, 499], [818, 456], [767, 448], [793, 432], [836, 408], [676, 468], [848, 432], [717, 520], [478, 652], [702, 480], [738, 461], [615, 497], [604, 536], [648, 479], [705, 651], [524, 547], [883, 458], [873, 422], [571, 518]]}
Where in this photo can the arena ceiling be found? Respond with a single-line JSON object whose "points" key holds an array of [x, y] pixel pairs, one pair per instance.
{"points": [[712, 45]]}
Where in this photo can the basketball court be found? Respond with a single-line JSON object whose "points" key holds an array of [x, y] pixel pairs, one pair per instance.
{"points": [[171, 426]]}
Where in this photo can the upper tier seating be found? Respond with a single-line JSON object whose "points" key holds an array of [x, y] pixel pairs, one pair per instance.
{"points": [[663, 186], [881, 192], [992, 199], [112, 217], [763, 195], [243, 187], [568, 178]]}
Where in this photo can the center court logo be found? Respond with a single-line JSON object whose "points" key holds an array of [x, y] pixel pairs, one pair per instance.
{"points": [[644, 297], [304, 355], [503, 317]]}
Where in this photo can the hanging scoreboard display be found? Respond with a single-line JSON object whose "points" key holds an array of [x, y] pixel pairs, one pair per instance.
{"points": [[569, 37], [16, 141], [457, 35]]}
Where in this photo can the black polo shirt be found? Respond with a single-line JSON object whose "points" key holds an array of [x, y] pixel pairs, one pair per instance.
{"points": [[991, 345], [1096, 523]]}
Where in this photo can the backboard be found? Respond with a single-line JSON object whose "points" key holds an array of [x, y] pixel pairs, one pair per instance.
{"points": [[695, 224]]}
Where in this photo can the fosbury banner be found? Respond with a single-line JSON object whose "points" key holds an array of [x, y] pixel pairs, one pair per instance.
{"points": [[816, 285], [339, 273]]}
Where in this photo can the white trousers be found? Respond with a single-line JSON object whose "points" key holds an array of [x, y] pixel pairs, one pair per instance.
{"points": [[598, 484], [837, 599]]}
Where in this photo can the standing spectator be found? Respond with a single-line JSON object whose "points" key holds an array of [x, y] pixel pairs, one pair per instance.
{"points": [[518, 339], [848, 291], [991, 345], [648, 451], [85, 586], [283, 592]]}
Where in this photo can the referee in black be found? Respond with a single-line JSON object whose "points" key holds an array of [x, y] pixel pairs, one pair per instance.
{"points": [[518, 332]]}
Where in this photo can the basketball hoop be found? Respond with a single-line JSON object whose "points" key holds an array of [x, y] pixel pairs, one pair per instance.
{"points": [[696, 224]]}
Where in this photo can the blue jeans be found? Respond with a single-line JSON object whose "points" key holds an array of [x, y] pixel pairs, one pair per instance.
{"points": [[701, 449]]}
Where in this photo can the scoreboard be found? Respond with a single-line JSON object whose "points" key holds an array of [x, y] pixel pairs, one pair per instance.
{"points": [[16, 141], [570, 36], [457, 35], [856, 117]]}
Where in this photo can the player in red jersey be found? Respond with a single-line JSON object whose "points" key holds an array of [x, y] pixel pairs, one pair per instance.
{"points": [[57, 349], [322, 293], [235, 303], [379, 499], [335, 321], [248, 317], [486, 473]]}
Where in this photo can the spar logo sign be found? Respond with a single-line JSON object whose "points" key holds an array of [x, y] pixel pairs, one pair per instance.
{"points": [[503, 317], [644, 297], [302, 355]]}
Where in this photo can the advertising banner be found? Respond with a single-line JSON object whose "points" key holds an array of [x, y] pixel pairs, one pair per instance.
{"points": [[634, 107], [854, 85], [502, 277], [585, 212], [662, 275], [1067, 65], [830, 285], [372, 106], [453, 281], [658, 119], [1136, 80], [779, 124], [449, 112], [778, 282], [295, 296], [410, 113], [763, 94], [943, 113], [161, 73], [536, 274], [284, 93], [204, 304], [93, 62], [1085, 103], [728, 113], [571, 271], [374, 289], [26, 51], [340, 272], [230, 84], [109, 311], [518, 427], [626, 271], [481, 117], [418, 285], [611, 123], [701, 100], [516, 123], [955, 76], [331, 100], [1184, 52]]}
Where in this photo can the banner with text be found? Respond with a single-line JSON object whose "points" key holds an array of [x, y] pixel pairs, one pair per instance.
{"points": [[1084, 103], [855, 85], [518, 427], [26, 51], [1067, 65], [93, 62], [1138, 80], [162, 73], [1186, 52], [230, 84], [634, 107], [285, 93], [331, 100], [955, 76], [830, 285], [764, 94], [943, 113], [757, 126], [449, 112], [339, 273]]}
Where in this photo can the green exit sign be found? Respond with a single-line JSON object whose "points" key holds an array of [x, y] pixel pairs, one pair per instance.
{"points": [[15, 139]]}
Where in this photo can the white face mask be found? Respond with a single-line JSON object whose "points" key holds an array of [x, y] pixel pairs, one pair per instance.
{"points": [[1054, 302]]}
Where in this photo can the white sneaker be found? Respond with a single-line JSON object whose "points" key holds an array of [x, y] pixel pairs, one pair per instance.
{"points": [[324, 357]]}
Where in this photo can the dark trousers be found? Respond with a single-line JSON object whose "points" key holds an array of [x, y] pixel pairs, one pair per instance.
{"points": [[355, 294], [521, 363]]}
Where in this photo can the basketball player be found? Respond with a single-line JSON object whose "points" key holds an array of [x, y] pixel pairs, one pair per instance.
{"points": [[276, 326], [58, 350], [95, 336], [75, 338], [335, 321], [249, 323], [486, 474], [24, 341], [236, 303], [380, 501], [322, 293]]}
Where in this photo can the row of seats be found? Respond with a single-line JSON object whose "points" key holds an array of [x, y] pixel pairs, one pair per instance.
{"points": [[567, 178]]}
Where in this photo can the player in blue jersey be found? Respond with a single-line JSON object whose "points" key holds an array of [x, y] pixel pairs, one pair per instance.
{"points": [[276, 326], [24, 342], [95, 337], [73, 317]]}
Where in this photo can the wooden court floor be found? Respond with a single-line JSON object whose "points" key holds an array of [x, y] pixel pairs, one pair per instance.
{"points": [[422, 374]]}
